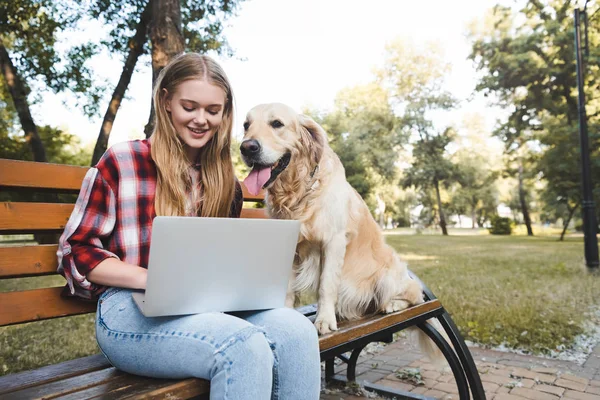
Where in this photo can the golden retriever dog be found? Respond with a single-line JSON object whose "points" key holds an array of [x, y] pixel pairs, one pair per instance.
{"points": [[341, 252]]}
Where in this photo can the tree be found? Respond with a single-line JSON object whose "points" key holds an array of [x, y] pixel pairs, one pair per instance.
{"points": [[528, 62], [415, 81], [431, 167], [136, 48], [478, 164], [562, 194], [170, 26], [365, 134], [28, 30]]}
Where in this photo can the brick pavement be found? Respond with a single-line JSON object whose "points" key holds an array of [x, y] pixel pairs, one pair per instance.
{"points": [[505, 376]]}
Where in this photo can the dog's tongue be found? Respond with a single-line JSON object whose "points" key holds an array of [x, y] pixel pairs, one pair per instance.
{"points": [[256, 179]]}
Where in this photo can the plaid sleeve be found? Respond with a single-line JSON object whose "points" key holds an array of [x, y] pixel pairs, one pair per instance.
{"points": [[80, 247]]}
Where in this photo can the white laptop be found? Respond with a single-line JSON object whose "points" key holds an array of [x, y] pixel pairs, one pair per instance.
{"points": [[200, 265]]}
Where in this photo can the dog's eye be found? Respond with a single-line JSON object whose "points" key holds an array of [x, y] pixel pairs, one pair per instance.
{"points": [[246, 125], [276, 123]]}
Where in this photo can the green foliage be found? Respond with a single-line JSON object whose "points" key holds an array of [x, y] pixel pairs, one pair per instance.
{"points": [[61, 147], [365, 134], [202, 22], [528, 62], [29, 29], [501, 225], [431, 162]]}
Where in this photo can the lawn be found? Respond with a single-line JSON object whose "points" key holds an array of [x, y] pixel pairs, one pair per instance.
{"points": [[529, 293]]}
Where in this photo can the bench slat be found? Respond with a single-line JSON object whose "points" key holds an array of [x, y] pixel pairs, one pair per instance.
{"points": [[33, 175], [251, 197], [66, 386], [254, 213], [33, 217], [39, 304], [112, 383], [57, 177], [186, 389], [51, 373], [350, 330], [32, 260]]}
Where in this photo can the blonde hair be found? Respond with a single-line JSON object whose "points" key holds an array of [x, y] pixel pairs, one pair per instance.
{"points": [[217, 177]]}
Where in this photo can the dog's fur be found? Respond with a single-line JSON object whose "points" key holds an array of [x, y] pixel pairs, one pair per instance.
{"points": [[341, 252]]}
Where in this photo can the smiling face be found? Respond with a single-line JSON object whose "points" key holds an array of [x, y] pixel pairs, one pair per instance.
{"points": [[196, 111], [273, 135]]}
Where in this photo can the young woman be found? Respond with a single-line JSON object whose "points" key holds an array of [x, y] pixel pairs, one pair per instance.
{"points": [[185, 168]]}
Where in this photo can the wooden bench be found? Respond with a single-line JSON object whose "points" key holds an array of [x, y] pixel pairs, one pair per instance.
{"points": [[93, 376]]}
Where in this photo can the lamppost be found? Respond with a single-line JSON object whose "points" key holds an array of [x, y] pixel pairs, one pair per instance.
{"points": [[588, 208]]}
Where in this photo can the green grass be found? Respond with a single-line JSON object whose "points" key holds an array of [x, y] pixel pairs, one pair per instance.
{"points": [[529, 293]]}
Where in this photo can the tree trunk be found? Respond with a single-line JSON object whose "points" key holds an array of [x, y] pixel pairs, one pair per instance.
{"points": [[136, 47], [524, 209], [566, 224], [166, 36], [473, 217], [439, 201], [18, 92]]}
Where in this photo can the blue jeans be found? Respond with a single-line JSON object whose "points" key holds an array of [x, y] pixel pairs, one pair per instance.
{"points": [[271, 354]]}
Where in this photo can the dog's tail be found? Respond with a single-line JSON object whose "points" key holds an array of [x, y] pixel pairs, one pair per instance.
{"points": [[427, 346]]}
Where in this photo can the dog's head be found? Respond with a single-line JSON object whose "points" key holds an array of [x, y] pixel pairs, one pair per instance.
{"points": [[275, 137]]}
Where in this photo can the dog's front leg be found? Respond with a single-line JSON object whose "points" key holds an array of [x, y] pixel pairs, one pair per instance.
{"points": [[333, 261]]}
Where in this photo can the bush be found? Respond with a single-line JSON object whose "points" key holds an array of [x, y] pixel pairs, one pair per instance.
{"points": [[501, 226]]}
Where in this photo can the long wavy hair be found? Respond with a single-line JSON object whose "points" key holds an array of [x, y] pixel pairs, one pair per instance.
{"points": [[217, 177]]}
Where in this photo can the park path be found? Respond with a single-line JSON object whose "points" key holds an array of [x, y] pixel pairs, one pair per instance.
{"points": [[505, 376]]}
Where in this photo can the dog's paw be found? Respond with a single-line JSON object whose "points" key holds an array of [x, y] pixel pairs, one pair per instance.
{"points": [[325, 325], [396, 305]]}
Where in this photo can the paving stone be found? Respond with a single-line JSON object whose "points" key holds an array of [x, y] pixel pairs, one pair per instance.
{"points": [[593, 390], [574, 378], [527, 383], [575, 395], [504, 396], [570, 385], [536, 376], [498, 379], [502, 371], [371, 376], [544, 370], [419, 390], [395, 384], [550, 389], [446, 387], [435, 394], [513, 363], [445, 378], [430, 374], [533, 394], [503, 389], [490, 387]]}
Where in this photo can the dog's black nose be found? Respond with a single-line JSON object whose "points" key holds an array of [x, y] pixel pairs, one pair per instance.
{"points": [[250, 147]]}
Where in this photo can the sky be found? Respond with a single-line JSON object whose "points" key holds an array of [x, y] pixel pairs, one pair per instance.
{"points": [[300, 52]]}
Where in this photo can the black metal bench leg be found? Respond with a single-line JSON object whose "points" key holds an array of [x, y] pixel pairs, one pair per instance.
{"points": [[453, 361], [351, 371], [465, 356], [329, 371]]}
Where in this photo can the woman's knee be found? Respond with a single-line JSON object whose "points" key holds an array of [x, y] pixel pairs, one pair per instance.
{"points": [[289, 324], [247, 348]]}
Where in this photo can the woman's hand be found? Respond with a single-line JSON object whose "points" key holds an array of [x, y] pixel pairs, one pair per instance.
{"points": [[114, 272]]}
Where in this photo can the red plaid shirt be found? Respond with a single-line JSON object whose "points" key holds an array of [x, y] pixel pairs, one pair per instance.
{"points": [[113, 216]]}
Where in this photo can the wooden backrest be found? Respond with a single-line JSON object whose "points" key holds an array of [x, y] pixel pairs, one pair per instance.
{"points": [[42, 218]]}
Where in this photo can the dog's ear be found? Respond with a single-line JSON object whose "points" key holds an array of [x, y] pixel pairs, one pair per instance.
{"points": [[314, 136]]}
